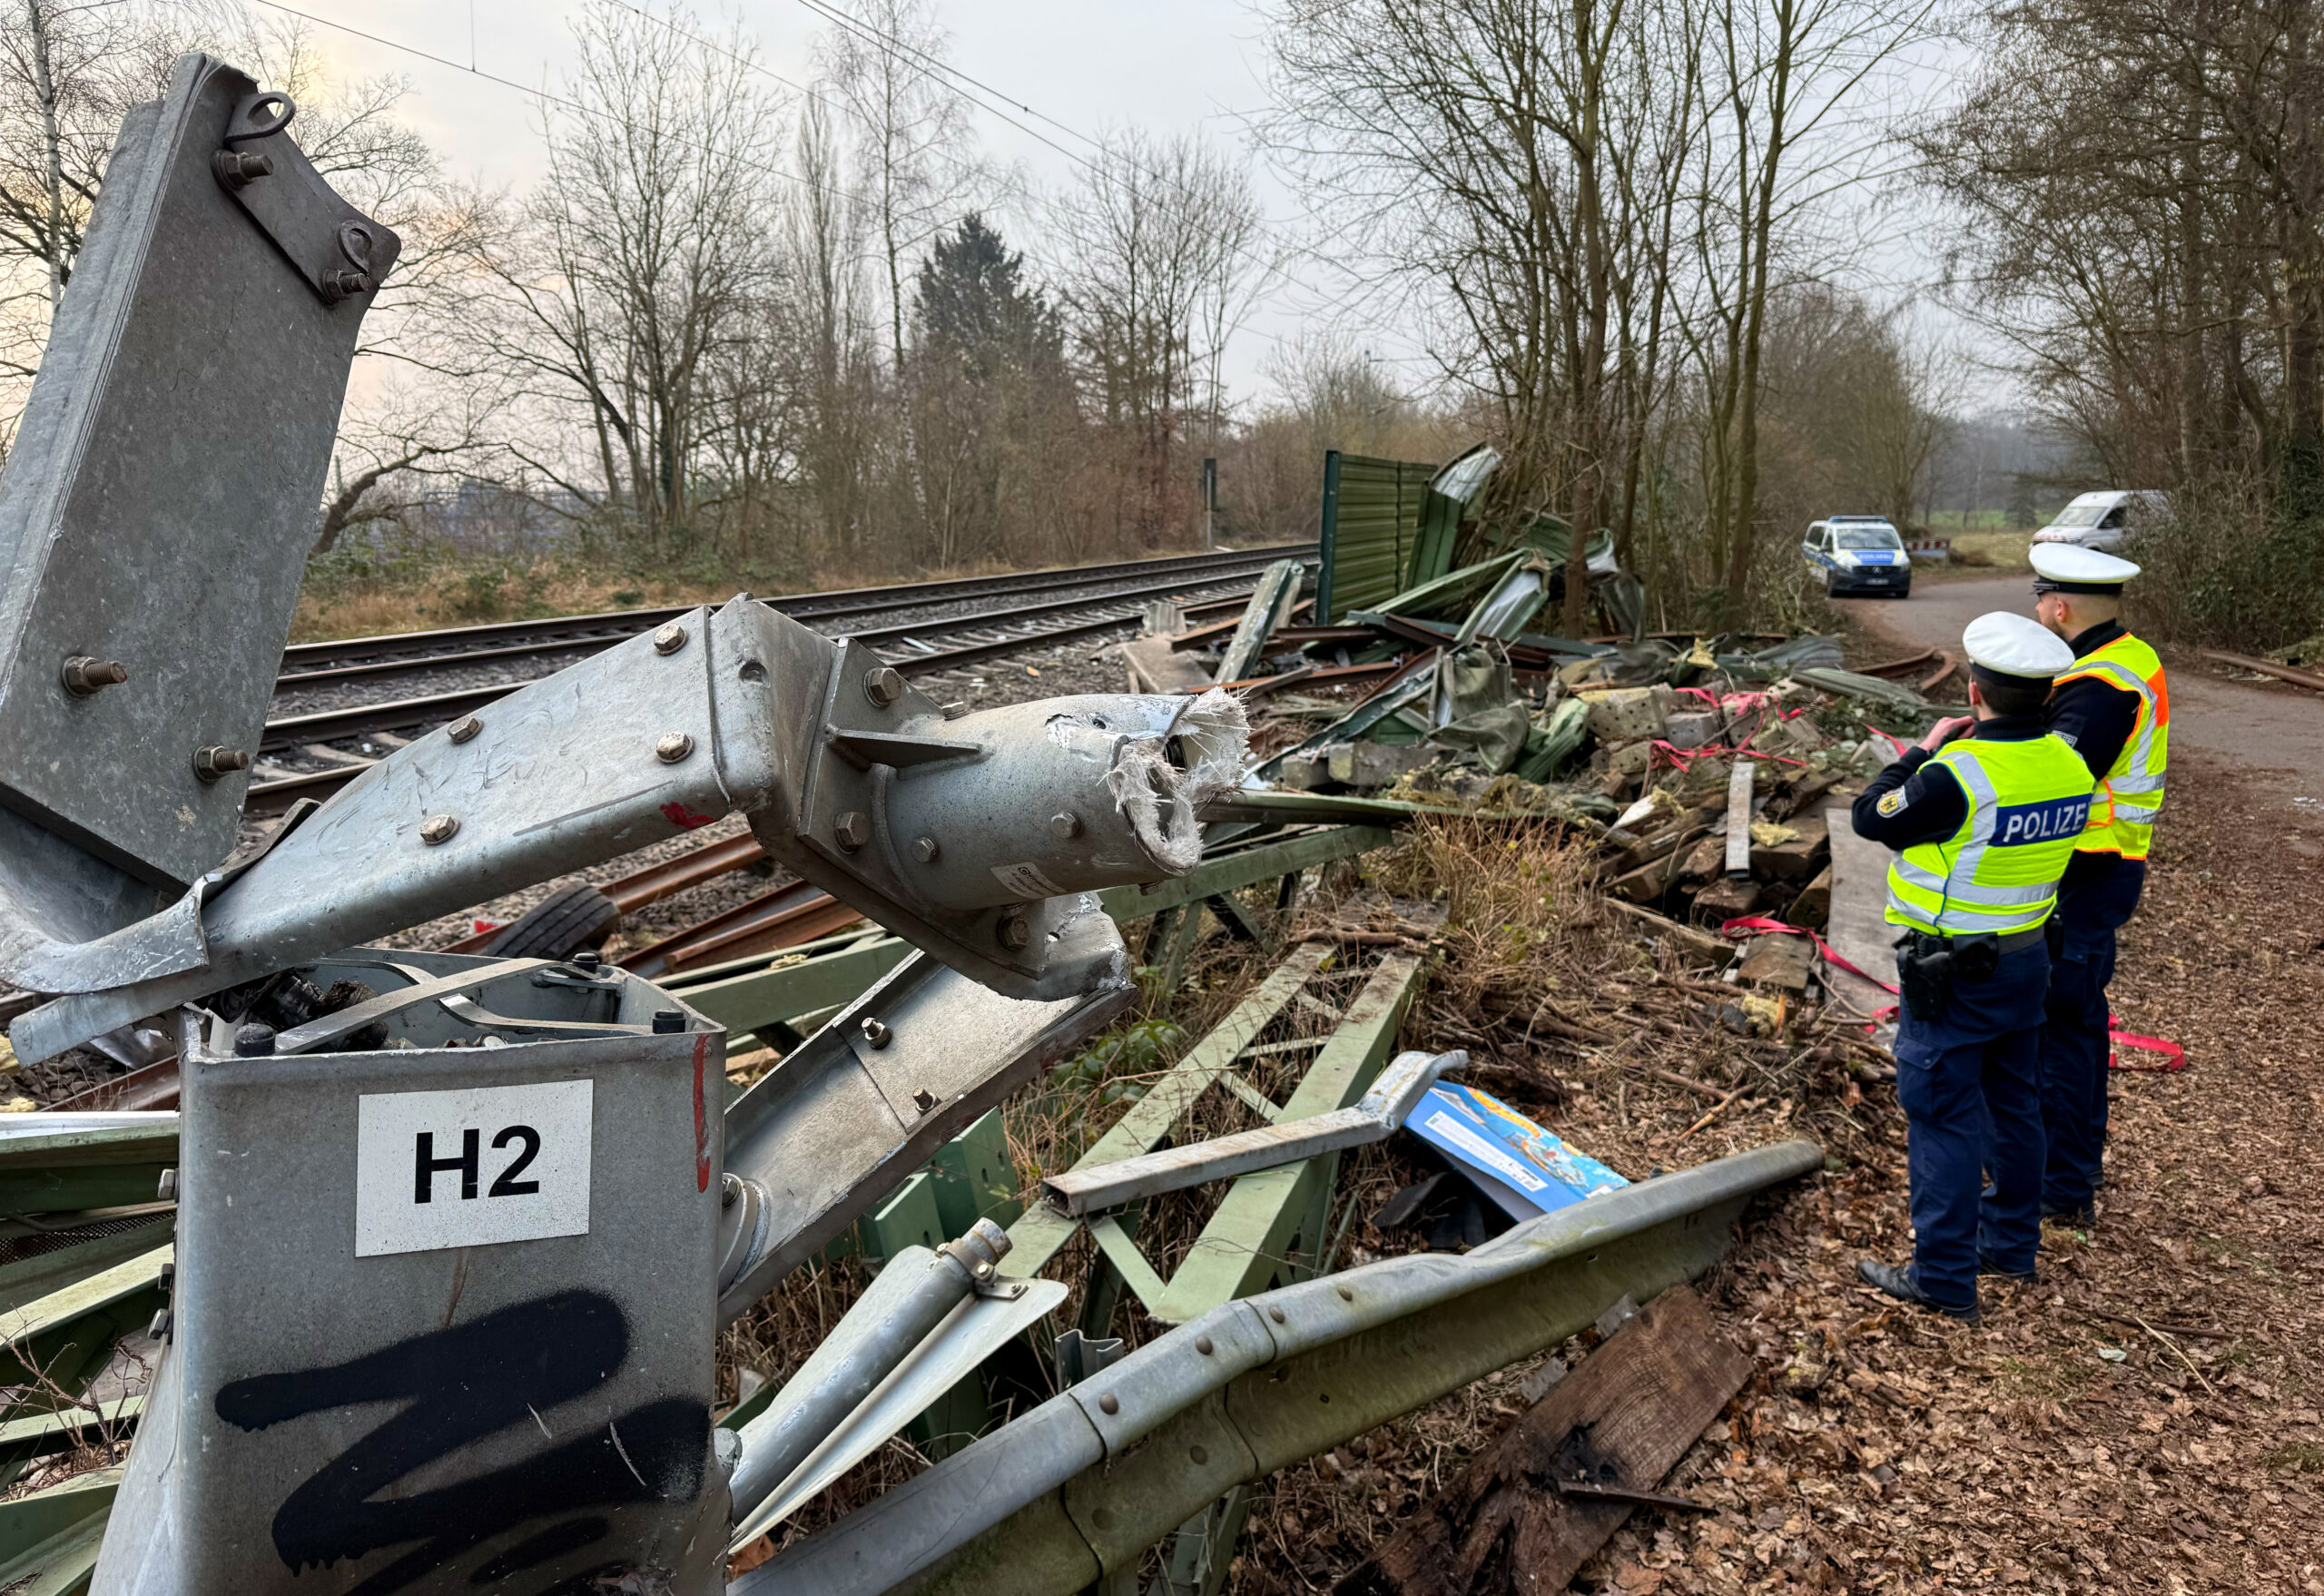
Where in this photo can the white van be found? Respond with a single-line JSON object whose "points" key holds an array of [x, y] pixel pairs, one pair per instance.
{"points": [[2101, 520]]}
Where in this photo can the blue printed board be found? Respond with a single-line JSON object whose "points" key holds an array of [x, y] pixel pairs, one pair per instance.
{"points": [[1523, 1167]]}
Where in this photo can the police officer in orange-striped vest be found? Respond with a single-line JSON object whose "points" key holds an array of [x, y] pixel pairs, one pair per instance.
{"points": [[2115, 707]]}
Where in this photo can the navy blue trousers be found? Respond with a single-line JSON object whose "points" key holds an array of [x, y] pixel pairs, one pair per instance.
{"points": [[1973, 1075], [2097, 895]]}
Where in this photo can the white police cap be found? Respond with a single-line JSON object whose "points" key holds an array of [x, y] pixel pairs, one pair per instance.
{"points": [[2062, 568], [2013, 645]]}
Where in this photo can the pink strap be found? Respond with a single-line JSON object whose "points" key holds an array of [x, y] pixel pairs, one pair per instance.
{"points": [[2174, 1057], [1747, 925]]}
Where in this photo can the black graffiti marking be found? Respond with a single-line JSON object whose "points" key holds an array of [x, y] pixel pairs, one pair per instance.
{"points": [[459, 1386], [508, 1185], [554, 1542]]}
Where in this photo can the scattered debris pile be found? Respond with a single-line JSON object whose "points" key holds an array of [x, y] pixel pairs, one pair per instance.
{"points": [[1703, 764]]}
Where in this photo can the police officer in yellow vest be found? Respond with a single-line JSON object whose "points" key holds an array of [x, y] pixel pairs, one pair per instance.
{"points": [[1984, 825], [2114, 708]]}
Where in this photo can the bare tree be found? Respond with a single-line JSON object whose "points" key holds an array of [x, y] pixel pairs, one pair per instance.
{"points": [[1511, 161], [1796, 121], [636, 262], [1157, 237], [911, 136]]}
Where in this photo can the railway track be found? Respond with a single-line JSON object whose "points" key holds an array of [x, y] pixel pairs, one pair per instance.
{"points": [[924, 647], [310, 664]]}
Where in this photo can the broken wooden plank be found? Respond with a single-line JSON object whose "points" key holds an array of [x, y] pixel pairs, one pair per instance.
{"points": [[1813, 907], [1622, 1419], [1781, 960], [1859, 931], [1726, 900], [1796, 859]]}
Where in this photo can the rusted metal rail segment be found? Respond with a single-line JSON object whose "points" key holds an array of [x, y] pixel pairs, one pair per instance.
{"points": [[1074, 1492], [2267, 667]]}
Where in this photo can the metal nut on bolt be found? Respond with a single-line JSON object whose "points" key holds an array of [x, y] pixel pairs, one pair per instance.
{"points": [[926, 849], [238, 167], [438, 828], [883, 684], [1014, 933], [85, 675], [215, 763], [674, 747], [670, 639], [1065, 827], [876, 1031], [463, 728], [851, 830]]}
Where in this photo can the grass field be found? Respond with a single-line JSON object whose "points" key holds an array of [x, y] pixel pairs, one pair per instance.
{"points": [[1995, 549]]}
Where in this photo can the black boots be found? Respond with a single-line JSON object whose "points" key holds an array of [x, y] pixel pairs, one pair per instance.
{"points": [[1898, 1284]]}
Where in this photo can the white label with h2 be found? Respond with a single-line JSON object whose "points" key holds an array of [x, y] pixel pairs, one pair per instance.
{"points": [[466, 1169]]}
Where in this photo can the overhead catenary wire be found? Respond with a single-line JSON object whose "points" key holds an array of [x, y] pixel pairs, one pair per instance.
{"points": [[898, 47]]}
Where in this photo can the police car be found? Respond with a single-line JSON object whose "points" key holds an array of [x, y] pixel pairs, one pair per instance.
{"points": [[1859, 553]]}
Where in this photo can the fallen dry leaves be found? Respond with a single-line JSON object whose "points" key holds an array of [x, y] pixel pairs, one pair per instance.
{"points": [[2144, 1418]]}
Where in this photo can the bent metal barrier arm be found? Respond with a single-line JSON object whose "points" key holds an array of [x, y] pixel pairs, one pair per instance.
{"points": [[1077, 1489]]}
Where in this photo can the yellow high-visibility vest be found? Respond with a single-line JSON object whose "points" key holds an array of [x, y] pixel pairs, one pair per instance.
{"points": [[2129, 795], [2028, 802]]}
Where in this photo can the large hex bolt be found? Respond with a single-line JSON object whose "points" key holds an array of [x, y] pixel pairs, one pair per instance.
{"points": [[1015, 934], [670, 639], [883, 684], [852, 830], [239, 168], [674, 747], [215, 763], [85, 676], [438, 828]]}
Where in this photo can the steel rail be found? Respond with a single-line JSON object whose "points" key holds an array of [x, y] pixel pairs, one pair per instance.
{"points": [[347, 659], [1074, 1492]]}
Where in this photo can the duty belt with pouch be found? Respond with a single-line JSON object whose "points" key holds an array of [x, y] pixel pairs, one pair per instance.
{"points": [[1928, 965]]}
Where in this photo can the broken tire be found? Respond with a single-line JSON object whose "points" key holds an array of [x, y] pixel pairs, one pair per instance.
{"points": [[574, 916]]}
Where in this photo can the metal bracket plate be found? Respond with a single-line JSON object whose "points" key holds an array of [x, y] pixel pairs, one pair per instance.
{"points": [[340, 251]]}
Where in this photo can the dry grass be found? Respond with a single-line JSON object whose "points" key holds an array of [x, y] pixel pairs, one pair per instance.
{"points": [[1989, 551]]}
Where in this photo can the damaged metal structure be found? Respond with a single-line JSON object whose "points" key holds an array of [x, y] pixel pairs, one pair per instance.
{"points": [[454, 1236]]}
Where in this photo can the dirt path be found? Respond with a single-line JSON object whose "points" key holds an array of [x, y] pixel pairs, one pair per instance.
{"points": [[2271, 735]]}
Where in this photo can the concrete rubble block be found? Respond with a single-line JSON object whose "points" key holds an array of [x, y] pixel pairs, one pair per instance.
{"points": [[1618, 714], [1692, 728], [1795, 736], [1631, 759], [1306, 771], [1374, 764]]}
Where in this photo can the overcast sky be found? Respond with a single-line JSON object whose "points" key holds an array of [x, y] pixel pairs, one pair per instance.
{"points": [[1183, 66], [1168, 65]]}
